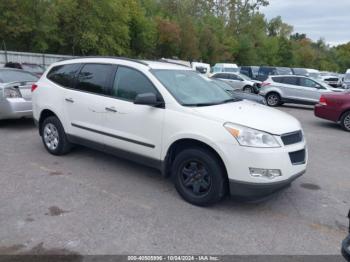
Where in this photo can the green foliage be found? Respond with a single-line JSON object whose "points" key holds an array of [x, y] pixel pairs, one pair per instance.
{"points": [[204, 30]]}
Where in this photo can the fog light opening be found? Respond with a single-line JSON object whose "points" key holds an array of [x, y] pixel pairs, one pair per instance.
{"points": [[265, 173]]}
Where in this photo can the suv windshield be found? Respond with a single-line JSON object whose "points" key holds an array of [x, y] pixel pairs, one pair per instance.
{"points": [[191, 89]]}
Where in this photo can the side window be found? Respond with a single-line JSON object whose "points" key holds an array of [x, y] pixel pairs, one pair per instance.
{"points": [[290, 81], [277, 79], [94, 78], [221, 75], [233, 77], [129, 83], [308, 83], [63, 74]]}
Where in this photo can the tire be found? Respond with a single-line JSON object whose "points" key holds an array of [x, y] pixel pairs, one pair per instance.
{"points": [[198, 176], [273, 99], [248, 89], [345, 121], [53, 136]]}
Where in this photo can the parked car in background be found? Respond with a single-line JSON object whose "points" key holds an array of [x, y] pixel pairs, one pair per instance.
{"points": [[239, 81], [266, 71], [33, 68], [293, 89], [173, 119], [346, 80], [332, 79], [250, 71], [239, 94], [335, 107], [15, 93], [201, 68], [225, 67], [307, 72]]}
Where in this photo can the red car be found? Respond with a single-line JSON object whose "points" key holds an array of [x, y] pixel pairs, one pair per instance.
{"points": [[335, 107]]}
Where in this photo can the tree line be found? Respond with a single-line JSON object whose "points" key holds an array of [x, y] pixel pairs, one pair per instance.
{"points": [[197, 30]]}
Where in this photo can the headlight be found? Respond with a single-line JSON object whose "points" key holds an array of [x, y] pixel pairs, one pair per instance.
{"points": [[12, 92], [251, 137]]}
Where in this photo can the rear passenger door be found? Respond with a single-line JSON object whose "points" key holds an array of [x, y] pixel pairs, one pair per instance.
{"points": [[85, 101], [291, 87], [133, 128]]}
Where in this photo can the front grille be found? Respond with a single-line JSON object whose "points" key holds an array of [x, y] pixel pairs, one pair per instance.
{"points": [[292, 138], [298, 157]]}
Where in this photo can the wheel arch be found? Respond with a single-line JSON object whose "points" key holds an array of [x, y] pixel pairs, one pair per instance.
{"points": [[347, 110], [43, 115], [182, 143]]}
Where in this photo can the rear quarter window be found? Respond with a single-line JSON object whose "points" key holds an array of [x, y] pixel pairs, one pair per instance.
{"points": [[277, 79], [63, 75]]}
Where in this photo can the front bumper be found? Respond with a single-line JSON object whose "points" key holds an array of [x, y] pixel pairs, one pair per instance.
{"points": [[12, 108], [291, 160], [256, 190]]}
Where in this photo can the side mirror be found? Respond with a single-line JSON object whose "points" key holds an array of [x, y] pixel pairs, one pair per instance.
{"points": [[148, 99]]}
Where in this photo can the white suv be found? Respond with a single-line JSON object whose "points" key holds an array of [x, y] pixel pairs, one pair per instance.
{"points": [[169, 117]]}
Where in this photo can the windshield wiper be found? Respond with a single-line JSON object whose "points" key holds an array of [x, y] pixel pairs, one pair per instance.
{"points": [[213, 104], [202, 104]]}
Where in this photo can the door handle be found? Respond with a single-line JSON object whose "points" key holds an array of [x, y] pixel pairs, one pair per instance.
{"points": [[111, 109], [70, 100]]}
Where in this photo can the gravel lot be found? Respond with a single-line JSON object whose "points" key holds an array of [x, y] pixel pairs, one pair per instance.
{"points": [[92, 203]]}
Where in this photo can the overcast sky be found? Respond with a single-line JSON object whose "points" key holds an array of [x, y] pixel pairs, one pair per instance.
{"points": [[329, 19]]}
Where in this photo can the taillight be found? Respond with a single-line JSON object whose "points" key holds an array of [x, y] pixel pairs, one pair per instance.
{"points": [[265, 84], [34, 86], [323, 101]]}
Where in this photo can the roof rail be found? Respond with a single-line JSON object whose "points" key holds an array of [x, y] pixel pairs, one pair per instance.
{"points": [[164, 60], [112, 57]]}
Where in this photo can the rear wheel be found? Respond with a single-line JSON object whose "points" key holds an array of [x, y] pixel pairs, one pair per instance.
{"points": [[54, 137], [273, 99], [345, 121], [198, 176]]}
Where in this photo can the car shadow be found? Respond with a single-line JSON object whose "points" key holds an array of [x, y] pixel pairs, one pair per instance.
{"points": [[329, 125], [303, 107], [23, 123]]}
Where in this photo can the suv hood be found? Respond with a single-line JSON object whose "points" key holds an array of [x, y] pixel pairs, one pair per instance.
{"points": [[251, 115]]}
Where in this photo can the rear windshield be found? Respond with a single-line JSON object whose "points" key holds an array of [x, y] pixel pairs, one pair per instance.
{"points": [[7, 76], [37, 69]]}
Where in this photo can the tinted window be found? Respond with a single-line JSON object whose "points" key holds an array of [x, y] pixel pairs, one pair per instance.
{"points": [[94, 78], [63, 74], [284, 71], [266, 71], [308, 83], [234, 77], [224, 76], [7, 76], [129, 83], [290, 80], [277, 79]]}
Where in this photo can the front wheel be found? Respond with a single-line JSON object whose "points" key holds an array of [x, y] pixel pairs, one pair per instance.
{"points": [[273, 99], [54, 137], [248, 89], [198, 176], [345, 121]]}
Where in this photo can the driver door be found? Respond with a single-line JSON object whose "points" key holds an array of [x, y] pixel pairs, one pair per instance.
{"points": [[130, 127], [310, 90]]}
